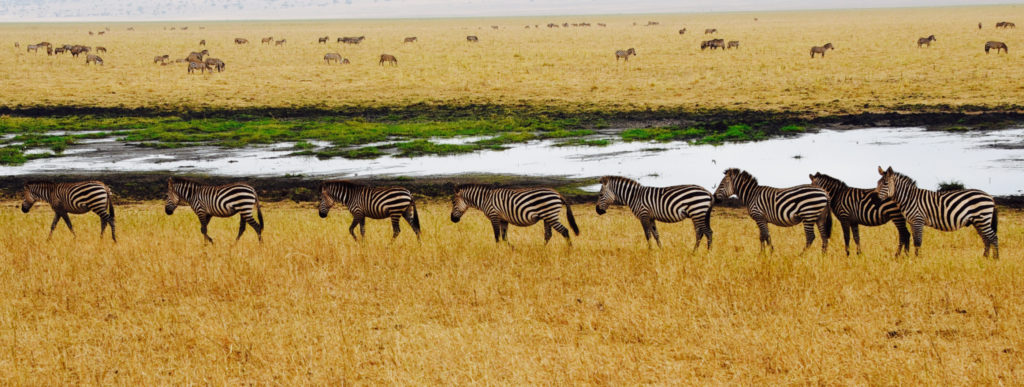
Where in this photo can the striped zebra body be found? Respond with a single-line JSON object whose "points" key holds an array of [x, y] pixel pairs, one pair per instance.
{"points": [[520, 206], [946, 211], [370, 202], [785, 207], [73, 198], [859, 206], [659, 204], [220, 201]]}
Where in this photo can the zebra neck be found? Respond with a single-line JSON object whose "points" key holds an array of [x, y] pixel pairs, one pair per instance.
{"points": [[479, 199], [746, 192], [624, 193], [41, 191]]}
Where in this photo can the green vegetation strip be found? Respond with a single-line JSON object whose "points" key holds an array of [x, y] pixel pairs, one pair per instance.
{"points": [[347, 137]]}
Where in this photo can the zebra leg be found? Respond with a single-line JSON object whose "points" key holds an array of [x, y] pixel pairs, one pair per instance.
{"points": [[67, 221], [917, 229], [56, 219], [701, 230], [646, 223], [204, 220], [766, 237], [352, 227], [856, 236], [362, 228], [255, 226], [808, 234], [504, 231], [904, 236], [410, 217], [394, 225], [988, 235], [496, 225], [555, 224], [103, 226], [111, 222], [845, 225], [654, 231], [241, 227], [547, 232]]}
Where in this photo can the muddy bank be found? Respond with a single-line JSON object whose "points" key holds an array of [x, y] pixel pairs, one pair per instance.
{"points": [[131, 187], [930, 116]]}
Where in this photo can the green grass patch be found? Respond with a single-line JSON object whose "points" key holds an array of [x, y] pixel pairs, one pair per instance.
{"points": [[792, 129], [584, 142]]}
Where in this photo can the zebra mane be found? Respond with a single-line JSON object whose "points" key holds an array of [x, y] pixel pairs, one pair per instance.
{"points": [[621, 179], [905, 178], [175, 179], [39, 182], [343, 183], [461, 187], [742, 174], [831, 180]]}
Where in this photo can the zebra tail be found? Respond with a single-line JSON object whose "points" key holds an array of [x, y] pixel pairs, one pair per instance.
{"points": [[110, 202], [572, 219], [415, 217], [995, 220], [259, 214], [828, 224]]}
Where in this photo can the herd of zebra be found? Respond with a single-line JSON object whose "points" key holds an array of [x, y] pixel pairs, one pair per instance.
{"points": [[896, 199]]}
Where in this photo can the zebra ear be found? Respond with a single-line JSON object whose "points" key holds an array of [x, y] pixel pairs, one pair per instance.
{"points": [[881, 171], [889, 170]]}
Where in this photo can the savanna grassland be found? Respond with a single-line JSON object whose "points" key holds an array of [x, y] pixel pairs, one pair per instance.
{"points": [[310, 306], [876, 65]]}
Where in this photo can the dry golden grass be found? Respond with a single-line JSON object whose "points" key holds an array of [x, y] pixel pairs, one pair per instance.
{"points": [[311, 306], [876, 64]]}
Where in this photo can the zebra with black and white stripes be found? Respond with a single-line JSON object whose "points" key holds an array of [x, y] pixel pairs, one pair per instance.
{"points": [[659, 204], [518, 206], [860, 206], [222, 201], [946, 211], [72, 198], [365, 201], [785, 207]]}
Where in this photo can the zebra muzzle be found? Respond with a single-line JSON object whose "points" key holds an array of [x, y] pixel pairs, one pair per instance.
{"points": [[169, 210], [601, 211], [456, 219]]}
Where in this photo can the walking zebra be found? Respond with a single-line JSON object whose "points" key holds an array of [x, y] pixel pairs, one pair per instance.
{"points": [[370, 202], [946, 211], [659, 204], [222, 201], [860, 206], [785, 207], [72, 198], [519, 206]]}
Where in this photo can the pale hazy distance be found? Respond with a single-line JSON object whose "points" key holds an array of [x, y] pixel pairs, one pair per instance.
{"points": [[132, 10]]}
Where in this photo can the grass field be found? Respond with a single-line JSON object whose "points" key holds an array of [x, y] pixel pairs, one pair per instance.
{"points": [[876, 65], [309, 305]]}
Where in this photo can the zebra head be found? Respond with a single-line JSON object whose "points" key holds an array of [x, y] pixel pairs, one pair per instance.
{"points": [[885, 187], [607, 196], [725, 187], [173, 198], [459, 205], [30, 198], [326, 201]]}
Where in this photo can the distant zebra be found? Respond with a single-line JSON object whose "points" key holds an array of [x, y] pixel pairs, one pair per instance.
{"points": [[389, 59], [101, 49], [222, 201], [201, 66], [409, 39], [322, 39], [682, 31], [733, 44], [202, 42], [860, 206], [332, 56], [925, 41], [472, 39], [94, 59], [280, 42], [659, 204], [709, 31], [518, 206], [241, 41], [370, 202], [35, 48], [624, 54], [946, 211], [785, 207], [267, 40], [821, 49], [73, 198], [990, 45]]}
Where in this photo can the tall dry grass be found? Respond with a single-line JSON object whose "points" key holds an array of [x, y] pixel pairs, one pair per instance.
{"points": [[876, 64], [311, 306]]}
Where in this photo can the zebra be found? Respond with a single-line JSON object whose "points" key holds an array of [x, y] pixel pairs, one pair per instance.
{"points": [[518, 206], [821, 49], [216, 200], [859, 206], [624, 54], [946, 211], [654, 204], [73, 198], [785, 207], [365, 201], [925, 41]]}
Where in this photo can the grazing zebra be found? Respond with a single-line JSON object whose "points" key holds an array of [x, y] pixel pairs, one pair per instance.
{"points": [[222, 201], [201, 66], [708, 31], [859, 206], [241, 41], [946, 211], [214, 63], [733, 44], [280, 42], [785, 207], [202, 42], [713, 44], [821, 49], [365, 201], [518, 206], [988, 46], [95, 59], [412, 39], [35, 48], [332, 56], [659, 204], [389, 59], [101, 49], [322, 39], [267, 40], [73, 198], [925, 41], [472, 39], [624, 54]]}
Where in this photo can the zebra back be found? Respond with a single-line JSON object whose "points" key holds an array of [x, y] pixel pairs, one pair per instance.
{"points": [[375, 202], [859, 204], [75, 197], [948, 210]]}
